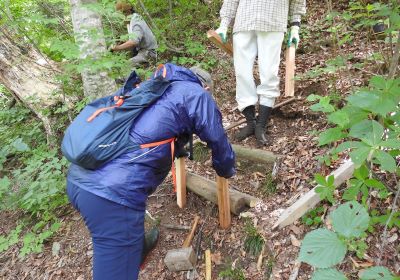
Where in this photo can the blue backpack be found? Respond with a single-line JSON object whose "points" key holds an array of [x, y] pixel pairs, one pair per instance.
{"points": [[100, 132]]}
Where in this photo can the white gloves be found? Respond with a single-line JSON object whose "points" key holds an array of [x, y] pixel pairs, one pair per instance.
{"points": [[294, 36], [221, 31]]}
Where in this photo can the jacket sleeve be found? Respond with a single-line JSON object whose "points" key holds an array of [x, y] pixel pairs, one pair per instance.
{"points": [[297, 9], [206, 122], [228, 12]]}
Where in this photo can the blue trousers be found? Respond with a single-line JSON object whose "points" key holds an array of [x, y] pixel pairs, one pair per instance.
{"points": [[117, 233]]}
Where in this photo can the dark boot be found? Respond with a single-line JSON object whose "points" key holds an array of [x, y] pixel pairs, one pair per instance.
{"points": [[149, 243], [261, 124], [250, 115]]}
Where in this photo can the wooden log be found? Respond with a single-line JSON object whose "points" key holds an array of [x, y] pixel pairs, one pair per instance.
{"points": [[290, 67], [208, 264], [208, 190], [224, 206], [180, 182], [177, 227], [255, 155], [311, 199], [250, 200], [216, 39]]}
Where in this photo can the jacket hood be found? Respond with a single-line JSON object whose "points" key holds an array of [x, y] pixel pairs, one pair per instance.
{"points": [[176, 73]]}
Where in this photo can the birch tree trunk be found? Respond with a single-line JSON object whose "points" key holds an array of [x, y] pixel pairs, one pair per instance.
{"points": [[89, 37], [29, 76]]}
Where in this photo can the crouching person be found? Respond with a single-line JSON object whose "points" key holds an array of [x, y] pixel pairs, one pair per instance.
{"points": [[112, 198]]}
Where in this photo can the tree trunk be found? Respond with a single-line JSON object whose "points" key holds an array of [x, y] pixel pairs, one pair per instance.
{"points": [[89, 36], [29, 76], [208, 190]]}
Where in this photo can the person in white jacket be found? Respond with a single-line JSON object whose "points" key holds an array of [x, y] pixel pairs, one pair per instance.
{"points": [[258, 31]]}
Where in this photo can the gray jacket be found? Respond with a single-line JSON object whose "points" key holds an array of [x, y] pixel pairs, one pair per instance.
{"points": [[140, 33]]}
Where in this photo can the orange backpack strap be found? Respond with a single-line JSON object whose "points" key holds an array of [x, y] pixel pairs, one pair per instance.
{"points": [[119, 102], [172, 141], [164, 73]]}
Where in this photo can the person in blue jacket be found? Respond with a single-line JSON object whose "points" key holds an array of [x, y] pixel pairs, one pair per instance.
{"points": [[112, 199]]}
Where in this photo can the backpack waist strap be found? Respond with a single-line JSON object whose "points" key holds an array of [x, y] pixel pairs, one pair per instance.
{"points": [[158, 143]]}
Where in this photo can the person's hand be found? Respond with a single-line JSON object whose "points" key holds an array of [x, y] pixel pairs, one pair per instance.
{"points": [[111, 48], [221, 31], [294, 36]]}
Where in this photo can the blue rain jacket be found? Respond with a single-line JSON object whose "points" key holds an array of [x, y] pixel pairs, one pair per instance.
{"points": [[184, 108]]}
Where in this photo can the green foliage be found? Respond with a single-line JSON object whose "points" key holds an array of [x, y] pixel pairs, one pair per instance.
{"points": [[232, 273], [11, 239], [268, 185], [33, 241], [313, 217], [350, 219], [41, 182], [325, 187], [322, 248], [254, 241], [328, 274], [376, 273], [377, 218]]}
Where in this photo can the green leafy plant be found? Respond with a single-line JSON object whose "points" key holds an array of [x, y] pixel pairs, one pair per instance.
{"points": [[268, 185], [232, 273], [324, 249], [11, 239], [313, 217], [254, 241], [325, 187]]}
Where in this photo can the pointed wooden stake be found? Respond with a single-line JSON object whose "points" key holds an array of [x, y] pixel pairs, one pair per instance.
{"points": [[216, 39], [224, 206], [290, 67], [208, 264], [180, 182]]}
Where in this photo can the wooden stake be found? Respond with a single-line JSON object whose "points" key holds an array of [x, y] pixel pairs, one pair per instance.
{"points": [[216, 39], [208, 264], [223, 203], [290, 67], [180, 182], [311, 198], [189, 238]]}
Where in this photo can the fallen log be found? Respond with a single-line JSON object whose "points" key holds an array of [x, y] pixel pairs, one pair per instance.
{"points": [[207, 189], [255, 155], [310, 199]]}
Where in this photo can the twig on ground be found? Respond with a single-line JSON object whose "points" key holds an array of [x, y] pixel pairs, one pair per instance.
{"points": [[295, 270], [384, 235]]}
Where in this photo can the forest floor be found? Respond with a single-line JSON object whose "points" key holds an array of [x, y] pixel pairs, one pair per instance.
{"points": [[291, 134]]}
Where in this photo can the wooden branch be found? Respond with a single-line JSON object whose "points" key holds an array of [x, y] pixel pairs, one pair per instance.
{"points": [[224, 206], [180, 182], [255, 155], [310, 199], [395, 59], [208, 190], [216, 39], [290, 67]]}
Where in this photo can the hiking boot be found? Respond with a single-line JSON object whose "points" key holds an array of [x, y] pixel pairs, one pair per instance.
{"points": [[261, 123], [250, 115], [149, 243]]}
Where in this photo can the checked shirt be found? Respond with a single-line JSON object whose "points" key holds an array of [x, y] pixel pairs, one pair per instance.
{"points": [[261, 15]]}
